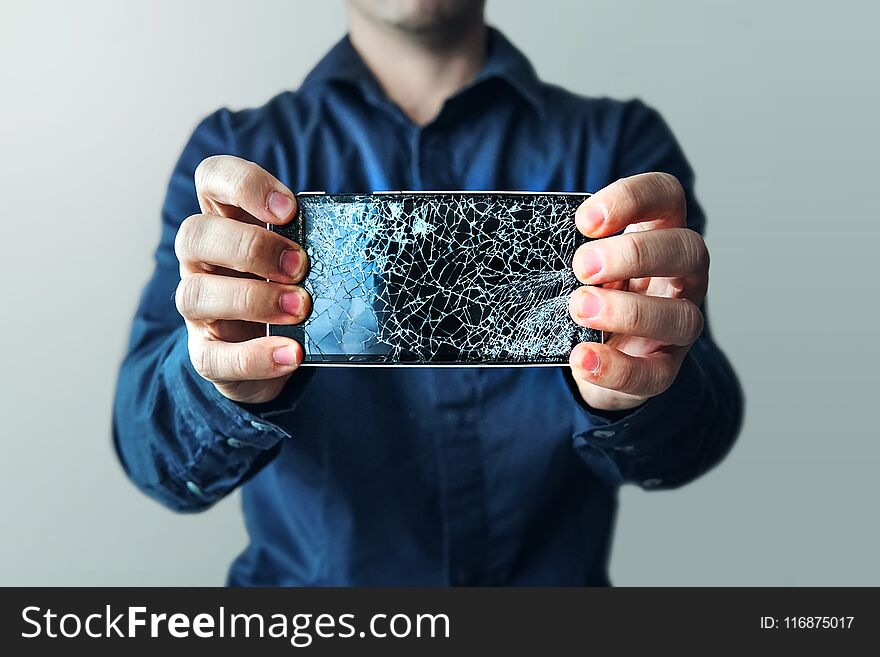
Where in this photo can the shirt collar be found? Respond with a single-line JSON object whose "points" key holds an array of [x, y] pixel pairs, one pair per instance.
{"points": [[504, 61]]}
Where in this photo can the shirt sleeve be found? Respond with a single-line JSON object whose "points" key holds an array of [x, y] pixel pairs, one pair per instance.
{"points": [[677, 436], [178, 439]]}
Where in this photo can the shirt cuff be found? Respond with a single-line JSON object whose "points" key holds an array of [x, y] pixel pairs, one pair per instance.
{"points": [[614, 444], [224, 441]]}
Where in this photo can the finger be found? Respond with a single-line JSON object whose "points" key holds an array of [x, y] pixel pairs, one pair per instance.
{"points": [[665, 252], [254, 360], [607, 367], [206, 297], [212, 240], [224, 181], [670, 321], [657, 198]]}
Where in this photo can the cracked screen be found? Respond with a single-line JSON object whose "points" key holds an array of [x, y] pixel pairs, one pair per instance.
{"points": [[449, 278]]}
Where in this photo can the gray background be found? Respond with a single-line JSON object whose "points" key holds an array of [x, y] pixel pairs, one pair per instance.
{"points": [[775, 104]]}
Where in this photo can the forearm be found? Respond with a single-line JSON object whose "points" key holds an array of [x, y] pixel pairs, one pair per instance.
{"points": [[179, 440]]}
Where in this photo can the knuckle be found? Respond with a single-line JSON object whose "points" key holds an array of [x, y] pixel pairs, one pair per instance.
{"points": [[251, 246], [669, 187], [206, 170], [626, 378], [670, 184], [237, 179], [651, 378], [664, 377], [188, 294], [225, 174], [633, 253], [246, 299], [628, 193], [629, 314], [690, 320], [246, 362], [201, 360], [181, 297], [186, 233], [694, 247], [246, 177]]}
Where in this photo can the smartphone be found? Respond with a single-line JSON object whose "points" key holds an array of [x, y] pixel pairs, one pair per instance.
{"points": [[437, 278]]}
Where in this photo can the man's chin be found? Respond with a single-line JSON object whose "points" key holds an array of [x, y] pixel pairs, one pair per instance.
{"points": [[428, 19]]}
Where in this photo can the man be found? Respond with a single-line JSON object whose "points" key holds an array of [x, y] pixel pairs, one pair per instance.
{"points": [[422, 476]]}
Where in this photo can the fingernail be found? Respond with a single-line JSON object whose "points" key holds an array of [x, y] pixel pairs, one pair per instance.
{"points": [[588, 264], [593, 217], [285, 356], [291, 261], [279, 205], [291, 303], [590, 305], [590, 361]]}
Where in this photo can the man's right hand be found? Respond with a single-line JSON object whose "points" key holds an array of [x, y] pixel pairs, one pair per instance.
{"points": [[225, 255]]}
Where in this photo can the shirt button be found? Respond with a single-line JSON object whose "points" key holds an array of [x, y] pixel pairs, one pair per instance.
{"points": [[234, 442], [260, 426], [603, 433], [194, 489], [651, 483]]}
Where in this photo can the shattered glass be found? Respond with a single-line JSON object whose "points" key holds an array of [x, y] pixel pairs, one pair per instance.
{"points": [[441, 278]]}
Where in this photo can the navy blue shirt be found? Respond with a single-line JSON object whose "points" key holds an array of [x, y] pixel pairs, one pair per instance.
{"points": [[415, 476]]}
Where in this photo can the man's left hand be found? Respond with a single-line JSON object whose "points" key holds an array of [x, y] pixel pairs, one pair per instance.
{"points": [[643, 287]]}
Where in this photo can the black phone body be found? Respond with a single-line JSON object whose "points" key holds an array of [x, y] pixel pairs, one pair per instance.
{"points": [[437, 278]]}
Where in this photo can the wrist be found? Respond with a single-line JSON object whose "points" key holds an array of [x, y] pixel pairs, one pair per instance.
{"points": [[604, 400]]}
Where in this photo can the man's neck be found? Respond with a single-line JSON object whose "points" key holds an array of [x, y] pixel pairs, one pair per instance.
{"points": [[419, 74]]}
